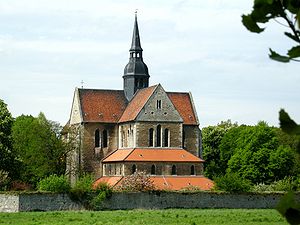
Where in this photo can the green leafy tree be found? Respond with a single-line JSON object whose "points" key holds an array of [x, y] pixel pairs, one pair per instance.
{"points": [[257, 153], [7, 162], [38, 147], [211, 139], [286, 10]]}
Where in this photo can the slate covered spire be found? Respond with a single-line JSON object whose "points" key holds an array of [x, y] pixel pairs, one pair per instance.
{"points": [[136, 75], [136, 42]]}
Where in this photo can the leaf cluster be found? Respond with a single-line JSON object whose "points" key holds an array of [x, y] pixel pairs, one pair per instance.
{"points": [[265, 10], [54, 183]]}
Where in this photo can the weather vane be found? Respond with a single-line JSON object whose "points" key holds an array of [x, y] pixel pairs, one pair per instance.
{"points": [[82, 84]]}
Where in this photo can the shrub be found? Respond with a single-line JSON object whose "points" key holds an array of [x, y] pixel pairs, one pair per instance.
{"points": [[286, 184], [232, 182], [54, 183], [262, 188], [103, 191], [138, 181], [4, 180], [82, 187], [20, 186]]}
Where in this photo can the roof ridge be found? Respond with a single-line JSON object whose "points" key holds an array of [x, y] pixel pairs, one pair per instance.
{"points": [[96, 89], [129, 154], [176, 92]]}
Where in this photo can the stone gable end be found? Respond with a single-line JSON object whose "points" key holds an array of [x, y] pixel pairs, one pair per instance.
{"points": [[159, 108], [75, 116]]}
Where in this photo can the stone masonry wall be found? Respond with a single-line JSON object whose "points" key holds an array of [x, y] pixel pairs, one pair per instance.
{"points": [[192, 139], [155, 200], [164, 200], [175, 133], [92, 156], [9, 203]]}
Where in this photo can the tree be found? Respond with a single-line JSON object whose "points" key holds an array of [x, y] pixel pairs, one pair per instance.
{"points": [[6, 156], [38, 147], [286, 10], [258, 155], [211, 139]]}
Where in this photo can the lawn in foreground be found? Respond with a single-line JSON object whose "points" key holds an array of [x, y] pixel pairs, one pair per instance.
{"points": [[149, 217]]}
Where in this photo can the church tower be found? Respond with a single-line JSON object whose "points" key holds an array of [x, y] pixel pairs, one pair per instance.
{"points": [[136, 74]]}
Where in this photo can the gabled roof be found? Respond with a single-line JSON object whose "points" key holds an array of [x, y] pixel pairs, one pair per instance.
{"points": [[181, 182], [184, 105], [152, 155], [111, 106], [173, 183], [137, 103], [102, 105], [112, 181]]}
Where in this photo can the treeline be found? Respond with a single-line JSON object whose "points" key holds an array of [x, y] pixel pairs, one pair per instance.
{"points": [[31, 148], [258, 154]]}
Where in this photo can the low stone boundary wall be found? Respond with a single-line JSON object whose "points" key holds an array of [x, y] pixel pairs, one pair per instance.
{"points": [[155, 200], [166, 200], [37, 202]]}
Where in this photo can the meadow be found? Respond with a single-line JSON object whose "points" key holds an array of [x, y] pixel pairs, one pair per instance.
{"points": [[149, 217]]}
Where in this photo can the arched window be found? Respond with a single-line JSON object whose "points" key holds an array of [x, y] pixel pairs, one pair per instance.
{"points": [[166, 139], [158, 136], [97, 138], [174, 171], [109, 169], [192, 170], [183, 139], [153, 170], [105, 138], [151, 133], [133, 169]]}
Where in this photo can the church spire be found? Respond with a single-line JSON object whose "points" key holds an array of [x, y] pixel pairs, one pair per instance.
{"points": [[136, 75], [136, 43]]}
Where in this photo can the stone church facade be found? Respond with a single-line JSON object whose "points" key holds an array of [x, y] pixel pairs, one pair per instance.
{"points": [[140, 128]]}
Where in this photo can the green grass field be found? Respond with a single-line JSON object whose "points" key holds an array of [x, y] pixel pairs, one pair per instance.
{"points": [[149, 217]]}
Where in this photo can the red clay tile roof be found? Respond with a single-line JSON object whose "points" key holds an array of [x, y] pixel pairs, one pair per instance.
{"points": [[112, 181], [136, 104], [102, 105], [183, 104], [152, 155], [173, 183], [181, 182]]}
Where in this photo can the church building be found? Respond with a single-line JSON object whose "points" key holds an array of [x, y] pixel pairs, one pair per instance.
{"points": [[141, 128]]}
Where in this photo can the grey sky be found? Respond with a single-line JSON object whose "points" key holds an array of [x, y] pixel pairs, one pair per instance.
{"points": [[48, 47]]}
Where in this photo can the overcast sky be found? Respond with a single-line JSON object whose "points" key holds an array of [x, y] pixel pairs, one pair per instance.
{"points": [[48, 47]]}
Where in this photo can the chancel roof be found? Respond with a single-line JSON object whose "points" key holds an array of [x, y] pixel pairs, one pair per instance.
{"points": [[171, 183], [152, 155]]}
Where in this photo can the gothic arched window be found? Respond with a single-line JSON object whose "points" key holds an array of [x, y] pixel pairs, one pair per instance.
{"points": [[158, 136], [153, 172], [166, 138], [174, 171], [151, 134], [105, 138], [192, 170], [183, 139], [133, 169], [97, 138]]}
